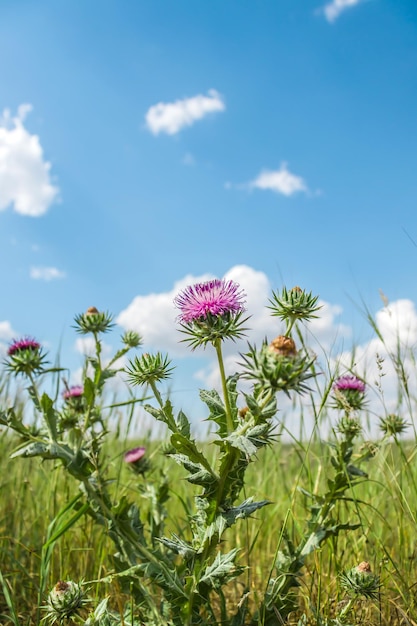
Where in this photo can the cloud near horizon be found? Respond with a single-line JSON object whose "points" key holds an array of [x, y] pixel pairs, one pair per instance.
{"points": [[280, 181], [25, 181], [154, 317], [333, 9], [171, 117]]}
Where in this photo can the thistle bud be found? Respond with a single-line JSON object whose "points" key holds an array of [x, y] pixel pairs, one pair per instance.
{"points": [[64, 601], [363, 567], [132, 339], [349, 426], [149, 369], [392, 425], [278, 366], [283, 345], [294, 304], [360, 581], [93, 321]]}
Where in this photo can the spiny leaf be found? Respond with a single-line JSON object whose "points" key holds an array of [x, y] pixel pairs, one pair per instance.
{"points": [[179, 546], [221, 570], [188, 447]]}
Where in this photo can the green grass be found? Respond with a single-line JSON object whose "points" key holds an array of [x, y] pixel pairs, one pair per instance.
{"points": [[32, 494]]}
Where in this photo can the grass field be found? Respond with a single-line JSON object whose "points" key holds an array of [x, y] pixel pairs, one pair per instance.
{"points": [[33, 493], [245, 528]]}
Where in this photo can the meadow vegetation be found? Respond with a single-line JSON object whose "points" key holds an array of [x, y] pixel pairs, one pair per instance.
{"points": [[245, 527]]}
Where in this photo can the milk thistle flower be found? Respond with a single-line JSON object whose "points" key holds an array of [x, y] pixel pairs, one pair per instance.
{"points": [[349, 393], [136, 460], [74, 399], [211, 311], [134, 455], [25, 356], [76, 391]]}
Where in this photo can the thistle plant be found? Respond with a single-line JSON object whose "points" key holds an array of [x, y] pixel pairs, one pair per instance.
{"points": [[182, 579]]}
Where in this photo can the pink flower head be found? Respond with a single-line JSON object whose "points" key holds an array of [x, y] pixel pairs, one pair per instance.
{"points": [[349, 383], [26, 343], [76, 391], [214, 297], [135, 455]]}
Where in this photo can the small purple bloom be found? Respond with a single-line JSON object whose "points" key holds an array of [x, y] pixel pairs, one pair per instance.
{"points": [[135, 455], [76, 391], [349, 383], [26, 343], [214, 297]]}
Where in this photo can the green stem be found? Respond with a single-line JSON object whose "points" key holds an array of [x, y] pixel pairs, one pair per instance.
{"points": [[229, 418], [290, 326], [346, 609], [156, 393]]}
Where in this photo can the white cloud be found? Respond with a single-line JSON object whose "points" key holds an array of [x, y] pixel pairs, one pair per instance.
{"points": [[46, 273], [386, 364], [6, 335], [280, 181], [171, 117], [154, 317], [333, 9], [86, 346], [25, 181]]}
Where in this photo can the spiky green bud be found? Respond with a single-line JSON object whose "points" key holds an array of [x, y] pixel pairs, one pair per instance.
{"points": [[393, 425], [360, 581], [349, 426], [93, 321], [149, 369], [294, 304], [132, 339], [64, 601], [278, 366]]}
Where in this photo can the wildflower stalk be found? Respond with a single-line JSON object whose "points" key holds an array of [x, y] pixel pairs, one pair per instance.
{"points": [[229, 417]]}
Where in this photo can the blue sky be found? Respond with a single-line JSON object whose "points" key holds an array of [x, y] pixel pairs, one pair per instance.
{"points": [[284, 145]]}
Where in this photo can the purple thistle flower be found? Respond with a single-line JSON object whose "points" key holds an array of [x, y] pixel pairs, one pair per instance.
{"points": [[26, 343], [349, 383], [212, 298], [134, 455], [76, 391]]}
